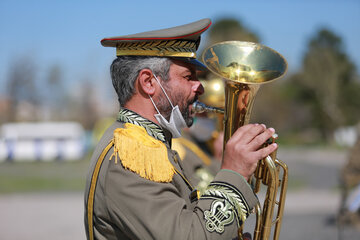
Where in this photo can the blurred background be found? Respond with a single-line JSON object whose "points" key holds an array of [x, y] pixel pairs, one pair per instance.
{"points": [[56, 98]]}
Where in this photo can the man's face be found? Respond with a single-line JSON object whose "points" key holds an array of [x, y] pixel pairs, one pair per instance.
{"points": [[183, 88]]}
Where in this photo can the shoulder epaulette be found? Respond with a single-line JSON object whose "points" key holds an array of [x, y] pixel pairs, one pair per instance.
{"points": [[142, 153]]}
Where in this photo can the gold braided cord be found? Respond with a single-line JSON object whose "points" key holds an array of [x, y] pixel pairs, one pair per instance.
{"points": [[91, 197]]}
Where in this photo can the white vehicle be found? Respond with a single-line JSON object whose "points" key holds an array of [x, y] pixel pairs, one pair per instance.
{"points": [[45, 141]]}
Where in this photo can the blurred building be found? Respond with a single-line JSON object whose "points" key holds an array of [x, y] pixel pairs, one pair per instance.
{"points": [[44, 141]]}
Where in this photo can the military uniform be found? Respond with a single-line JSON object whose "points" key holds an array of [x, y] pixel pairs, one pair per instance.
{"points": [[136, 187], [120, 204], [199, 167]]}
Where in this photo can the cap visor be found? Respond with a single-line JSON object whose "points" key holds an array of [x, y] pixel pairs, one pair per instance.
{"points": [[199, 65]]}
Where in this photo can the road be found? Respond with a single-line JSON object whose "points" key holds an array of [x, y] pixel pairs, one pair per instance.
{"points": [[311, 204]]}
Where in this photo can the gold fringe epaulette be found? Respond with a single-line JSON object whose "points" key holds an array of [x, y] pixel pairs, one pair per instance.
{"points": [[142, 153]]}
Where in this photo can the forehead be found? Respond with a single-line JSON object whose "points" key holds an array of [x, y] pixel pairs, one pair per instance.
{"points": [[179, 67]]}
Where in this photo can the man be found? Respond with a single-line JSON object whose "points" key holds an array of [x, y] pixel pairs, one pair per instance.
{"points": [[136, 188]]}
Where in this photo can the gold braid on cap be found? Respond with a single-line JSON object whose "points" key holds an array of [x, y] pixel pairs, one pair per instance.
{"points": [[161, 48]]}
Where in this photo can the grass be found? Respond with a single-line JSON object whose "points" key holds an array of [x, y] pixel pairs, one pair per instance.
{"points": [[297, 184], [61, 176], [16, 177], [43, 176]]}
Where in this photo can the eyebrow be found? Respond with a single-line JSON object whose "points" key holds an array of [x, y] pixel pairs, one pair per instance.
{"points": [[192, 70], [187, 71]]}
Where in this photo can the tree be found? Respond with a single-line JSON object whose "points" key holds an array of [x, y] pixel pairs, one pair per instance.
{"points": [[229, 29], [21, 87], [327, 84], [55, 97], [83, 104]]}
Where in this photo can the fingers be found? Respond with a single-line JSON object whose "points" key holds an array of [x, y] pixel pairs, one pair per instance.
{"points": [[264, 152], [253, 132], [257, 135], [246, 133], [261, 138]]}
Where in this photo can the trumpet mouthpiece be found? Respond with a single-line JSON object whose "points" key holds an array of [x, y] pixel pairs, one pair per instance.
{"points": [[199, 107]]}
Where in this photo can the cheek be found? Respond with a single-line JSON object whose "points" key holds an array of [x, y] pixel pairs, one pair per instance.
{"points": [[182, 92], [187, 93], [182, 87], [189, 87]]}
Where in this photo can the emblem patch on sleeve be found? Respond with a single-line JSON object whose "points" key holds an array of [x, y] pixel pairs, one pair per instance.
{"points": [[228, 204], [220, 214]]}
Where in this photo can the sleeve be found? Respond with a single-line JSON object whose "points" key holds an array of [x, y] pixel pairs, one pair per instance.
{"points": [[229, 197], [144, 209]]}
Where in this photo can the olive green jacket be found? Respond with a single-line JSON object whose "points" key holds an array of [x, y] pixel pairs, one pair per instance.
{"points": [[119, 204], [199, 167]]}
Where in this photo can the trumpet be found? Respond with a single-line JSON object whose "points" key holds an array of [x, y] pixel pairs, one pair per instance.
{"points": [[244, 67]]}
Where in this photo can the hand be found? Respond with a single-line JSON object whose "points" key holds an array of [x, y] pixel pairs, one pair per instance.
{"points": [[247, 236], [244, 149]]}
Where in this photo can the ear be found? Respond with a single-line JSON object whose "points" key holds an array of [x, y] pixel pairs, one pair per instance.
{"points": [[146, 82]]}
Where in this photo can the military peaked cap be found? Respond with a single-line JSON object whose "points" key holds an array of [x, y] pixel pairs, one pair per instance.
{"points": [[178, 42]]}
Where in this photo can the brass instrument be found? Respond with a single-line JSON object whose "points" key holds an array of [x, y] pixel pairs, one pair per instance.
{"points": [[214, 95], [244, 66]]}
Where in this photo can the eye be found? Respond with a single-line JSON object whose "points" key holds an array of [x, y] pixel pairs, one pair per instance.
{"points": [[188, 77]]}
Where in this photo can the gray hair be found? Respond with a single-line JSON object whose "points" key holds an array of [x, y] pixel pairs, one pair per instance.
{"points": [[125, 70]]}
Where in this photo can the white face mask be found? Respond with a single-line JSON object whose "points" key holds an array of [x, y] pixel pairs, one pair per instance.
{"points": [[176, 122]]}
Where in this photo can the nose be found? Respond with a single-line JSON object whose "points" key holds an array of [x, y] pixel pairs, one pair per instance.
{"points": [[198, 88]]}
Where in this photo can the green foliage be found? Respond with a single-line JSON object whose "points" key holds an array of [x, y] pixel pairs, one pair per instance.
{"points": [[229, 29], [308, 106], [327, 86]]}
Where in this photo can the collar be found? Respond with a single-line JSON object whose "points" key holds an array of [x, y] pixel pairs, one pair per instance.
{"points": [[154, 130]]}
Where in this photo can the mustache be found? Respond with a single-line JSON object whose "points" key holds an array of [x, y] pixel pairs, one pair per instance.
{"points": [[193, 100]]}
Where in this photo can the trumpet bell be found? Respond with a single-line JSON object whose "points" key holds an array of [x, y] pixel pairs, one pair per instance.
{"points": [[244, 62], [244, 67]]}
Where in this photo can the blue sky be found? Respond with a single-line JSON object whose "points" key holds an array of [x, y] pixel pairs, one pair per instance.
{"points": [[68, 33]]}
